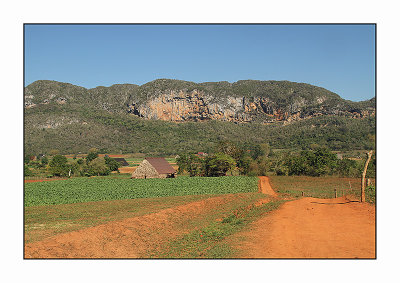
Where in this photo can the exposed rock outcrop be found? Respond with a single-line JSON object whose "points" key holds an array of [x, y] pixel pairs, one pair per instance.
{"points": [[180, 101], [180, 106]]}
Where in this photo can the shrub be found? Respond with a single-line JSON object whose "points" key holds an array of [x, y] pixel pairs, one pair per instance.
{"points": [[27, 171], [45, 161], [311, 162], [346, 168], [370, 194]]}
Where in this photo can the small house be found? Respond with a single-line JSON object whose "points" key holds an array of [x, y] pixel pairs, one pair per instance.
{"points": [[154, 167]]}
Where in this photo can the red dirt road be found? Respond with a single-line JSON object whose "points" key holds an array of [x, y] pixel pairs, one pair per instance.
{"points": [[264, 186], [313, 228]]}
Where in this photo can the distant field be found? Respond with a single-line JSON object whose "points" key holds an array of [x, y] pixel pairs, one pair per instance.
{"points": [[133, 161], [320, 187], [84, 189]]}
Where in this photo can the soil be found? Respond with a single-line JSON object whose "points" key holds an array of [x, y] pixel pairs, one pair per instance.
{"points": [[303, 228], [312, 228], [264, 186], [129, 238], [127, 169]]}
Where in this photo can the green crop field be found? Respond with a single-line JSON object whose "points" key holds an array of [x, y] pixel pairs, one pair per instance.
{"points": [[84, 189]]}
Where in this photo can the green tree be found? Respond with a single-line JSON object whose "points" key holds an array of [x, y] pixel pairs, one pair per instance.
{"points": [[298, 165], [91, 156], [312, 162], [183, 163], [112, 164], [191, 163], [98, 167], [219, 164], [58, 165], [243, 164], [321, 162], [229, 148], [347, 168]]}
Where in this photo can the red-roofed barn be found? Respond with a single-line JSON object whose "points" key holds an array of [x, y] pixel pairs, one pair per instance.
{"points": [[154, 167]]}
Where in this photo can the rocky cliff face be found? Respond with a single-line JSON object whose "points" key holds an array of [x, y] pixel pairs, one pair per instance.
{"points": [[181, 106], [180, 101]]}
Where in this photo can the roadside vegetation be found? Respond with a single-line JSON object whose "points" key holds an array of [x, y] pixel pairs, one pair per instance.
{"points": [[321, 187], [209, 241]]}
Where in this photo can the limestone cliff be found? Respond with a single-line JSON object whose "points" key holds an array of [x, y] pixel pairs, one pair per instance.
{"points": [[181, 105], [180, 101]]}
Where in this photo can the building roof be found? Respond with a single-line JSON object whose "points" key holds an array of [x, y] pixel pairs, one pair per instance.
{"points": [[161, 165], [121, 161]]}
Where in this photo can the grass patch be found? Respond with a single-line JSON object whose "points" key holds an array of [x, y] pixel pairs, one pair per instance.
{"points": [[49, 220], [370, 194], [318, 187], [208, 242]]}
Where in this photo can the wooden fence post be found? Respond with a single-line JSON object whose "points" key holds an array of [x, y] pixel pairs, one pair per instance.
{"points": [[369, 155]]}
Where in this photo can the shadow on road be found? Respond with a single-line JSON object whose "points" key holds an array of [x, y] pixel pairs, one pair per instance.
{"points": [[335, 202]]}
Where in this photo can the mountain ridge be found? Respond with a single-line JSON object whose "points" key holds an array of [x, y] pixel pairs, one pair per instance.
{"points": [[180, 101], [172, 116]]}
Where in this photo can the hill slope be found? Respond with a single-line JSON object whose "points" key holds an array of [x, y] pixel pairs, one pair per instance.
{"points": [[132, 118]]}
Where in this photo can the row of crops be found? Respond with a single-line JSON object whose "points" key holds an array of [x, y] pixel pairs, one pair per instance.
{"points": [[76, 190]]}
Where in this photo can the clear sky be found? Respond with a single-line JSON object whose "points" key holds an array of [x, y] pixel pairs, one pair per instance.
{"points": [[340, 58]]}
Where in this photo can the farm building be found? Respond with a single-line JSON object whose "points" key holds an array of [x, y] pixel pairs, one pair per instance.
{"points": [[121, 161], [154, 167]]}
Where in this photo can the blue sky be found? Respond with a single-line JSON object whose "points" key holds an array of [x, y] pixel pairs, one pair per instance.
{"points": [[340, 58]]}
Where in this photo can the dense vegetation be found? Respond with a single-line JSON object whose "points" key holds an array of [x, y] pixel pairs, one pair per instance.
{"points": [[76, 190], [261, 160], [120, 133]]}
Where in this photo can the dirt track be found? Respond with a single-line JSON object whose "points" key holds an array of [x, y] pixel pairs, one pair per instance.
{"points": [[128, 238], [265, 187], [313, 228], [304, 228]]}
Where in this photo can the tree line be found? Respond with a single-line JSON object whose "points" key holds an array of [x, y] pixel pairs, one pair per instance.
{"points": [[91, 165], [261, 160]]}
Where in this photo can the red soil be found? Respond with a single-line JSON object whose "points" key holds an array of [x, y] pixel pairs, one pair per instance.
{"points": [[127, 169], [264, 186], [130, 238], [313, 228]]}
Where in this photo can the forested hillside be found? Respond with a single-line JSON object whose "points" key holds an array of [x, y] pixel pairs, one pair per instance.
{"points": [[170, 116]]}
